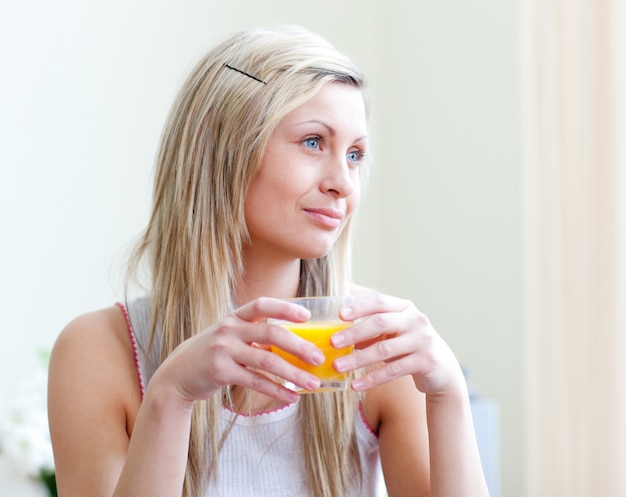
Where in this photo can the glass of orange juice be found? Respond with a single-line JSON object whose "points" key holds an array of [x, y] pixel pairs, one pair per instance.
{"points": [[324, 322]]}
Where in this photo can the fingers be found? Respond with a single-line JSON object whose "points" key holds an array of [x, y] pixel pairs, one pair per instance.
{"points": [[265, 334], [269, 362], [241, 343], [372, 304], [253, 331], [380, 351], [377, 317], [264, 307], [388, 333], [265, 385], [392, 338], [223, 358], [389, 372]]}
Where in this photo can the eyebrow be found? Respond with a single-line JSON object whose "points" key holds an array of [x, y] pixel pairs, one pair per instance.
{"points": [[330, 129]]}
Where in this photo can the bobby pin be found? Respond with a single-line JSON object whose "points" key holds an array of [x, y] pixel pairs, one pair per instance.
{"points": [[245, 73]]}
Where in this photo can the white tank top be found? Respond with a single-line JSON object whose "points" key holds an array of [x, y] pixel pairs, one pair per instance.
{"points": [[262, 455]]}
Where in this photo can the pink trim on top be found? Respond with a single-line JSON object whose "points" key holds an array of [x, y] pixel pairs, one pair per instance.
{"points": [[260, 413], [364, 420], [133, 341]]}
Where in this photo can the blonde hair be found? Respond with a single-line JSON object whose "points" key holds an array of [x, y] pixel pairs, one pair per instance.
{"points": [[211, 148]]}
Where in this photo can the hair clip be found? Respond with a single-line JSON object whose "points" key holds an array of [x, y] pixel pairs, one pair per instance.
{"points": [[245, 73]]}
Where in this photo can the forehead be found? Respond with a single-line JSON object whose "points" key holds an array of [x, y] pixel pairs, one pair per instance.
{"points": [[336, 103]]}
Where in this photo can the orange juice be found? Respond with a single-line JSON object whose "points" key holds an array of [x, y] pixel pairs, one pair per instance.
{"points": [[319, 333]]}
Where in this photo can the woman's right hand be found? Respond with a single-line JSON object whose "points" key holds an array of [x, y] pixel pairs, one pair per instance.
{"points": [[236, 351]]}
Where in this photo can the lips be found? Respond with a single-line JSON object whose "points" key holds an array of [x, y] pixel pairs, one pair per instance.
{"points": [[330, 218]]}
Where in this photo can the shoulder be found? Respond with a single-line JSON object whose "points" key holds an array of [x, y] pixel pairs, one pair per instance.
{"points": [[98, 336], [93, 400], [94, 355], [108, 323]]}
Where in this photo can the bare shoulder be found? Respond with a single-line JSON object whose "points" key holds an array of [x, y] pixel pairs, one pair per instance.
{"points": [[107, 324], [93, 399], [104, 327], [95, 350]]}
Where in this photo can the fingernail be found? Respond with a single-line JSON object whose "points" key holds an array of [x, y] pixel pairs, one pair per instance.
{"points": [[346, 312], [302, 313], [313, 384], [341, 364], [357, 384], [318, 357], [338, 340]]}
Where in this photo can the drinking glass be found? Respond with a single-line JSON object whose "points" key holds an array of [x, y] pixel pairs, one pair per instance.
{"points": [[324, 322]]}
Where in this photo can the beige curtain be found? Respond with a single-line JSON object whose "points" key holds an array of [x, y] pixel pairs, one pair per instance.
{"points": [[575, 256]]}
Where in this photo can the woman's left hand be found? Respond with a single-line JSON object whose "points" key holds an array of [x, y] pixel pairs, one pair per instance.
{"points": [[392, 335]]}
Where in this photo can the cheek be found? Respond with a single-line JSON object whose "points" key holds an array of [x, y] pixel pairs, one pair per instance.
{"points": [[256, 197], [266, 202], [353, 201], [261, 187]]}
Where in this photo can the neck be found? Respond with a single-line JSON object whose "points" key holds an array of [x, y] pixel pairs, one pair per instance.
{"points": [[268, 277]]}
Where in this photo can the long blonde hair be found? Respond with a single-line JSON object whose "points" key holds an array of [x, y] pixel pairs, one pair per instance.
{"points": [[211, 148]]}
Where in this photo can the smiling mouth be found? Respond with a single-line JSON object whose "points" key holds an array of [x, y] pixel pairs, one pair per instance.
{"points": [[326, 217]]}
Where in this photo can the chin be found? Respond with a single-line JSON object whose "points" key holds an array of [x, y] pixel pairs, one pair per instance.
{"points": [[314, 257], [316, 252]]}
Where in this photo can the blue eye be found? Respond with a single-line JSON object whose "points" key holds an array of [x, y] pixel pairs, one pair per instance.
{"points": [[355, 156], [312, 142]]}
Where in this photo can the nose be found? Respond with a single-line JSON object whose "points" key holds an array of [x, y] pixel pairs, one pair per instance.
{"points": [[339, 177]]}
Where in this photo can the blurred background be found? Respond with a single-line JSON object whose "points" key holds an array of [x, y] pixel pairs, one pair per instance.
{"points": [[476, 139]]}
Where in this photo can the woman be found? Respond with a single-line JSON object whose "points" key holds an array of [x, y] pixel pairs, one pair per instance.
{"points": [[259, 173]]}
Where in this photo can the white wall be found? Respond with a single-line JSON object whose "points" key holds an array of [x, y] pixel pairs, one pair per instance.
{"points": [[84, 91], [446, 192]]}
